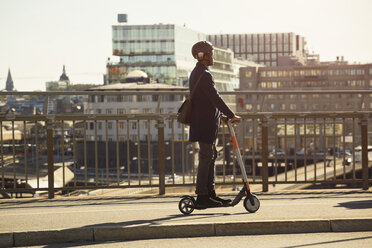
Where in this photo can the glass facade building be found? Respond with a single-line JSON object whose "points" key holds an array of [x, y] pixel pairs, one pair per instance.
{"points": [[262, 48], [163, 51]]}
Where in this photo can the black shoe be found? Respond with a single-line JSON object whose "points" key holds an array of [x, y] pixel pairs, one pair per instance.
{"points": [[216, 198], [204, 201]]}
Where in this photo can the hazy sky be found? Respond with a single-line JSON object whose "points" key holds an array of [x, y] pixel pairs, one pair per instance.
{"points": [[38, 37]]}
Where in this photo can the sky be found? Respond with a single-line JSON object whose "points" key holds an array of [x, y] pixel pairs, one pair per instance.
{"points": [[38, 37]]}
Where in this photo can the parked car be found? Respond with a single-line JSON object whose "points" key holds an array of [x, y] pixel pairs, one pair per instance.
{"points": [[170, 178], [279, 153]]}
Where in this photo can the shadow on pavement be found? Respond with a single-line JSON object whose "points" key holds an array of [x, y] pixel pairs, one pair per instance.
{"points": [[327, 242], [137, 222], [356, 204]]}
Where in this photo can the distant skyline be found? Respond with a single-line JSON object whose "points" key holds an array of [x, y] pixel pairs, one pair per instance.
{"points": [[38, 37]]}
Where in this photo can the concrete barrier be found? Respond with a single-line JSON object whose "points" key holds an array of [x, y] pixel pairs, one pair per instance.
{"points": [[151, 232], [351, 225], [55, 236], [269, 227], [6, 239]]}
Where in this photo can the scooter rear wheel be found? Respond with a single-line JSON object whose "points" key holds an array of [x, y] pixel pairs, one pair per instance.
{"points": [[251, 207], [186, 205]]}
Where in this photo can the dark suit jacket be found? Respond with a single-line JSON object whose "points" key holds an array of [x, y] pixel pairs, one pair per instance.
{"points": [[207, 106]]}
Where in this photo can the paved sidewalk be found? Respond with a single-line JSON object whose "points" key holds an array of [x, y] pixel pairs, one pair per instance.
{"points": [[40, 220]]}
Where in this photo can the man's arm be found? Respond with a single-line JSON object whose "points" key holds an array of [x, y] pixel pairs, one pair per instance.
{"points": [[213, 95]]}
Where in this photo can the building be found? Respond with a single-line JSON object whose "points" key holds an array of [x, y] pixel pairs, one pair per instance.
{"points": [[313, 77], [137, 137], [163, 51], [134, 104], [59, 104], [9, 85], [263, 48], [160, 50], [62, 83], [321, 76]]}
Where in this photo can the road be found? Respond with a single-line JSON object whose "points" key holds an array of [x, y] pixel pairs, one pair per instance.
{"points": [[319, 240], [36, 214]]}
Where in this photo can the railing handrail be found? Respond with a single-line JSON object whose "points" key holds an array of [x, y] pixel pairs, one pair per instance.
{"points": [[183, 92], [154, 116]]}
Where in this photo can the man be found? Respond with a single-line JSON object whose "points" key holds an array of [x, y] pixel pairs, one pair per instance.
{"points": [[207, 106]]}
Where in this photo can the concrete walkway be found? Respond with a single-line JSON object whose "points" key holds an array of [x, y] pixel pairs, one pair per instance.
{"points": [[42, 221]]}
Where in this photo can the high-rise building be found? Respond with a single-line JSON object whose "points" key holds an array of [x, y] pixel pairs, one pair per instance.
{"points": [[263, 48], [163, 51]]}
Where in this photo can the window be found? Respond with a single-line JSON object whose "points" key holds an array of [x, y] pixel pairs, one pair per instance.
{"points": [[248, 74], [121, 124], [170, 110], [109, 111], [133, 111], [292, 106], [91, 125], [109, 125], [147, 110], [98, 111], [99, 125], [101, 98], [121, 111], [111, 98], [248, 106]]}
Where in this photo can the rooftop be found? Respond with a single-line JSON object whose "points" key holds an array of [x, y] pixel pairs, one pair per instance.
{"points": [[137, 87]]}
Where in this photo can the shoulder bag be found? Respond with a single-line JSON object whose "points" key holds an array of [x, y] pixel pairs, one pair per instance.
{"points": [[184, 112]]}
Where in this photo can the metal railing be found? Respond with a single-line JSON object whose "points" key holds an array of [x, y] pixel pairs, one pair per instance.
{"points": [[306, 147]]}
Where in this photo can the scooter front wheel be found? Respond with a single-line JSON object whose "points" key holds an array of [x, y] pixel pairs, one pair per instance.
{"points": [[251, 203], [186, 205]]}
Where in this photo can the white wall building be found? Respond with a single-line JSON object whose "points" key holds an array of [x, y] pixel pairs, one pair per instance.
{"points": [[134, 104]]}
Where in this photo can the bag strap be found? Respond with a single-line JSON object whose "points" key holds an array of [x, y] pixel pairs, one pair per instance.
{"points": [[196, 85]]}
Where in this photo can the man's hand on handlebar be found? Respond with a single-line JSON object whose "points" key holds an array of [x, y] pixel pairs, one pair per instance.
{"points": [[236, 119]]}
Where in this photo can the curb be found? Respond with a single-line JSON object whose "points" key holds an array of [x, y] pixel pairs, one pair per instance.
{"points": [[183, 230]]}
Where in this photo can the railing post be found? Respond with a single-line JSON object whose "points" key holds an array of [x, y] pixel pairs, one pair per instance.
{"points": [[264, 154], [364, 134], [161, 156], [50, 151]]}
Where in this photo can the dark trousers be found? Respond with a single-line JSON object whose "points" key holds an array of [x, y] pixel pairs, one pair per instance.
{"points": [[205, 177]]}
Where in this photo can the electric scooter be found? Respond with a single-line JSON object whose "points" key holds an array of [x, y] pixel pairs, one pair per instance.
{"points": [[251, 203]]}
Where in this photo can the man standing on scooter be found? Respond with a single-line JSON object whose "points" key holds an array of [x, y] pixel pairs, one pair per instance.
{"points": [[207, 106]]}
